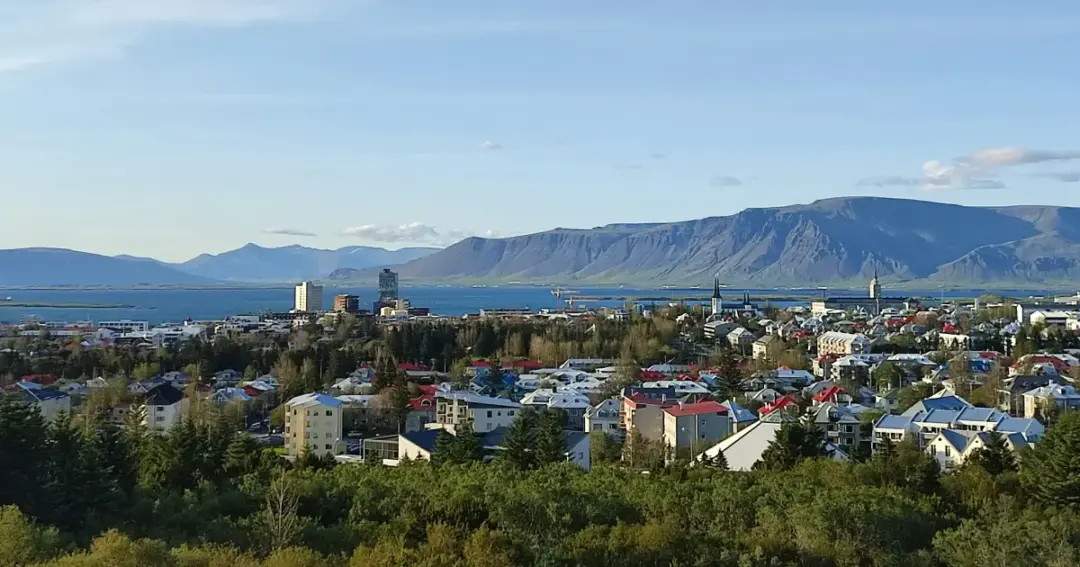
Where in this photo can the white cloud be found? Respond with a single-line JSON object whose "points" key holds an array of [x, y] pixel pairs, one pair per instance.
{"points": [[489, 145], [979, 170], [725, 181], [889, 181], [412, 233], [42, 32], [288, 232]]}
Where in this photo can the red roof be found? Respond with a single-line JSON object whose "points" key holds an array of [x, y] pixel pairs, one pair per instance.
{"points": [[43, 379], [1059, 365], [427, 395], [480, 364], [696, 409], [784, 402], [409, 366], [652, 376], [529, 365], [828, 394]]}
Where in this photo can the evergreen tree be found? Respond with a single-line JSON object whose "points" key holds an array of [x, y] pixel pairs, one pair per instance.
{"points": [[399, 401], [242, 455], [467, 446], [718, 461], [1051, 471], [386, 370], [550, 440], [994, 457], [23, 455], [445, 445], [793, 443], [518, 442]]}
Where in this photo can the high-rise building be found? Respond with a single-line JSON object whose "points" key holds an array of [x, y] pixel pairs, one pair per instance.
{"points": [[346, 303], [388, 286], [309, 297]]}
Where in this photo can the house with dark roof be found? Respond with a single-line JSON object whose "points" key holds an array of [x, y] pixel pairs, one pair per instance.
{"points": [[420, 445], [51, 402], [485, 413], [165, 407], [951, 448], [1011, 393]]}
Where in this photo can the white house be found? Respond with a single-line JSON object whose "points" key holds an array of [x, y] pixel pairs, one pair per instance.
{"points": [[740, 337], [165, 408], [49, 401], [604, 417], [745, 448], [952, 448], [1057, 395], [834, 342]]}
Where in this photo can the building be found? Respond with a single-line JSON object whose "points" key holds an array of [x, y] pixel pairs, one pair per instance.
{"points": [[716, 330], [388, 288], [744, 449], [837, 343], [420, 445], [125, 326], [1012, 390], [740, 417], [346, 303], [717, 303], [485, 413], [313, 424], [165, 408], [875, 287], [309, 297], [574, 404], [840, 426], [1050, 318], [643, 410], [604, 417], [952, 448], [51, 402], [694, 427], [766, 347], [1052, 395], [923, 426], [739, 337]]}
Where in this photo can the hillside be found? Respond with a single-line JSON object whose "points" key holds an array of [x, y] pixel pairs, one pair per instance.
{"points": [[828, 241], [253, 263], [55, 266]]}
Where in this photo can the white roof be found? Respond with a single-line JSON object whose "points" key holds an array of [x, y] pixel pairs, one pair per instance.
{"points": [[310, 400], [473, 398]]}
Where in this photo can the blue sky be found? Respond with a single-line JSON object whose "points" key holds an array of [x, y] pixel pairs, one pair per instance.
{"points": [[168, 128]]}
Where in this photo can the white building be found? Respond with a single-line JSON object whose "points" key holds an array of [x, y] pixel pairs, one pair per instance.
{"points": [[604, 417], [1057, 395], [309, 297], [745, 448], [834, 342], [165, 408], [484, 412], [313, 425], [50, 402], [952, 448], [125, 326]]}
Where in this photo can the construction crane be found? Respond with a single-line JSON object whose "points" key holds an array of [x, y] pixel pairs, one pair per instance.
{"points": [[559, 292]]}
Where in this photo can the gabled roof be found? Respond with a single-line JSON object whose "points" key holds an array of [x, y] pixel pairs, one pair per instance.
{"points": [[738, 413], [946, 402], [314, 399], [699, 408], [44, 394], [784, 402], [424, 439], [163, 395], [894, 422], [477, 400], [957, 439]]}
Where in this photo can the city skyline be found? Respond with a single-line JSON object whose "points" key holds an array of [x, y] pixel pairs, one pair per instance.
{"points": [[178, 127]]}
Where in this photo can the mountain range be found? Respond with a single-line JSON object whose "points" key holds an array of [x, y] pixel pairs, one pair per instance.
{"points": [[249, 264], [834, 241]]}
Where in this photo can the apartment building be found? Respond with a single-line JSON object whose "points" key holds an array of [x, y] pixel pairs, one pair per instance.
{"points": [[834, 342], [313, 425], [485, 413], [166, 407], [695, 427], [308, 297]]}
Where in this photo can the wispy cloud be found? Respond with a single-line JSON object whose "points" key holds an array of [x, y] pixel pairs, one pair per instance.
{"points": [[889, 181], [412, 233], [288, 232], [489, 145], [725, 181], [979, 170], [43, 32], [1062, 176]]}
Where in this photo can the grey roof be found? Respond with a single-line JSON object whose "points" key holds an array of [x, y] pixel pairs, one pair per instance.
{"points": [[943, 403], [477, 400], [894, 422]]}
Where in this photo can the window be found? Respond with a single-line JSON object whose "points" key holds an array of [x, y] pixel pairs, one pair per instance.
{"points": [[849, 429], [510, 413], [947, 451], [489, 414], [500, 414], [294, 412], [328, 435], [159, 418], [329, 413], [329, 447]]}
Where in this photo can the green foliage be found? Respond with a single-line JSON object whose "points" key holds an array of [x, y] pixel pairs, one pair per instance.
{"points": [[519, 440], [913, 394], [994, 457], [793, 443], [888, 376], [1051, 471]]}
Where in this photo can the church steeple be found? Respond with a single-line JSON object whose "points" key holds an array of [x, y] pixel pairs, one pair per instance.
{"points": [[717, 302], [716, 287]]}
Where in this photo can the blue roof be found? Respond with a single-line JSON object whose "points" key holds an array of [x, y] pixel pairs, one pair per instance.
{"points": [[979, 414], [44, 394], [894, 422], [424, 439], [1016, 424], [939, 416], [955, 438], [738, 413]]}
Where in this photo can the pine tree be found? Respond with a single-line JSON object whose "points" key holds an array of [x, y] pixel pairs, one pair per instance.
{"points": [[23, 453], [518, 442], [793, 443], [386, 370], [467, 447], [241, 457], [994, 457], [445, 445], [550, 440], [1051, 472], [399, 401], [718, 462]]}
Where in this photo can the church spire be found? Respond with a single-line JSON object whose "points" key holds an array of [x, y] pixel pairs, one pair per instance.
{"points": [[716, 287]]}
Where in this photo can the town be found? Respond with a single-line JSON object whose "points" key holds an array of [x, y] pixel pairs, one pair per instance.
{"points": [[730, 385]]}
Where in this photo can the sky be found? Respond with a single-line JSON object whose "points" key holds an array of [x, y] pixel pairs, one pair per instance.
{"points": [[169, 128]]}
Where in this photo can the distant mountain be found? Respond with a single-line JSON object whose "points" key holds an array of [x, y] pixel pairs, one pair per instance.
{"points": [[254, 263], [842, 240], [56, 267]]}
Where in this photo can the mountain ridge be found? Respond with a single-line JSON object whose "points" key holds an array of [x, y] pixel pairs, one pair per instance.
{"points": [[837, 240]]}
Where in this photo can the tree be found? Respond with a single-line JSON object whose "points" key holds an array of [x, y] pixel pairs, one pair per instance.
{"points": [[718, 461], [994, 457], [913, 394], [22, 542], [242, 455], [467, 445], [1051, 471], [518, 443], [793, 443], [399, 401], [386, 370], [888, 376], [550, 439], [728, 375], [280, 519]]}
